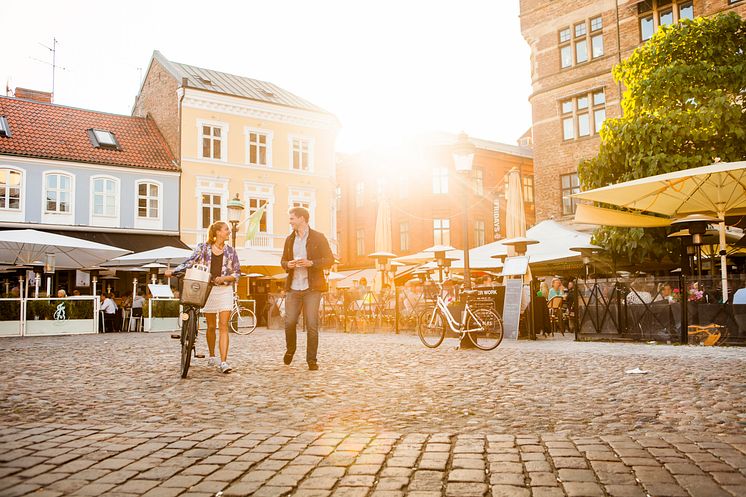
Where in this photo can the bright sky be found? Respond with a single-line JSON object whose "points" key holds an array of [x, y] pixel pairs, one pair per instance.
{"points": [[385, 68]]}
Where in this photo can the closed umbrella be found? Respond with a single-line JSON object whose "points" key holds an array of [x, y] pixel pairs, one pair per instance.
{"points": [[718, 189], [515, 214]]}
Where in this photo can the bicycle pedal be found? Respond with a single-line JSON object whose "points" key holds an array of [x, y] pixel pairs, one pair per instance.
{"points": [[199, 356], [175, 336]]}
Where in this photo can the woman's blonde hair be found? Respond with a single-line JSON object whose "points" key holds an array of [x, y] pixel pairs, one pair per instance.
{"points": [[212, 231]]}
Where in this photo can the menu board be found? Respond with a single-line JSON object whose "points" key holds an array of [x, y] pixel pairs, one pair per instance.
{"points": [[512, 307]]}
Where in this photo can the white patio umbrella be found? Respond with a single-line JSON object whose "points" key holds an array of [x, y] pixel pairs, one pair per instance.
{"points": [[718, 189], [164, 255], [26, 246]]}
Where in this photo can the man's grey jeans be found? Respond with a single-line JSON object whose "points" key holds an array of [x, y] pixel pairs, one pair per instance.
{"points": [[309, 301]]}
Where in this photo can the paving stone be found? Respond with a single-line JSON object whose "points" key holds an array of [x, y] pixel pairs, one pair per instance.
{"points": [[625, 491], [582, 489], [576, 475], [507, 479], [466, 475], [466, 489]]}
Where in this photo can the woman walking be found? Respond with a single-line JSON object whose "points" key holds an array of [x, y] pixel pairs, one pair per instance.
{"points": [[225, 270]]}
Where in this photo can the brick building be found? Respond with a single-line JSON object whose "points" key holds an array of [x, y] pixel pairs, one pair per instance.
{"points": [[426, 195], [574, 46]]}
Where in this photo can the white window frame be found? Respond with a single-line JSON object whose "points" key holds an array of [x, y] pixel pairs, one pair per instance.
{"points": [[15, 215], [359, 251], [306, 196], [404, 236], [223, 206], [480, 232], [311, 145], [148, 222], [56, 217], [440, 180], [103, 220], [248, 130], [223, 139], [442, 221], [261, 191]]}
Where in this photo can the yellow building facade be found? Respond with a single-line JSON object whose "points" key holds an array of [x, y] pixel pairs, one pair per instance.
{"points": [[237, 135]]}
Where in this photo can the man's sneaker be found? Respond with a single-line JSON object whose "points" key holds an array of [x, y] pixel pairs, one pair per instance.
{"points": [[224, 368], [213, 361]]}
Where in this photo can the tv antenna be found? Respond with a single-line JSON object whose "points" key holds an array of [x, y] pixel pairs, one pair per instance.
{"points": [[54, 65]]}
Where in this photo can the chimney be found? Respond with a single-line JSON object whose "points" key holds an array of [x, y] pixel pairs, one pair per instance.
{"points": [[39, 96]]}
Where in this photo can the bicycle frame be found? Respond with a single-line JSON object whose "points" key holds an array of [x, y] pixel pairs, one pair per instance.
{"points": [[454, 325]]}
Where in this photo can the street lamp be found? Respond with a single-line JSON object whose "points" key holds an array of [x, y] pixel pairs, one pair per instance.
{"points": [[235, 209], [463, 160]]}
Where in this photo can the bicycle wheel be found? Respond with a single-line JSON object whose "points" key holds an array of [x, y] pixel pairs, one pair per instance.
{"points": [[243, 321], [491, 333], [431, 327], [188, 336]]}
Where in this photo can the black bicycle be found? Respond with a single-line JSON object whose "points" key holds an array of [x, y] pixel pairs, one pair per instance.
{"points": [[189, 326]]}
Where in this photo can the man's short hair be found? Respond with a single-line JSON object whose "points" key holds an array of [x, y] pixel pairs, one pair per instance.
{"points": [[300, 212]]}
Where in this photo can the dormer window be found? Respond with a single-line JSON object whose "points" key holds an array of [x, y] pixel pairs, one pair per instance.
{"points": [[103, 139], [4, 127]]}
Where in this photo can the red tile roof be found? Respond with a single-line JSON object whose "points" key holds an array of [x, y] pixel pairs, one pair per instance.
{"points": [[57, 132]]}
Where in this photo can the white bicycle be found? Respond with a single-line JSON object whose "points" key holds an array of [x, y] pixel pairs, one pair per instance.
{"points": [[483, 326], [243, 319]]}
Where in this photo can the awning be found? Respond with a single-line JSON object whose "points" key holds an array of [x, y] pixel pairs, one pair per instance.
{"points": [[136, 242], [590, 214]]}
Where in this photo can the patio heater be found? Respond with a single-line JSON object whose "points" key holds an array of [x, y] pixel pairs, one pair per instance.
{"points": [[586, 251], [383, 264], [697, 226], [439, 254], [463, 160], [520, 244], [235, 209], [49, 268]]}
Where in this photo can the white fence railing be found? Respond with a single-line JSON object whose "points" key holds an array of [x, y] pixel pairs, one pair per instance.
{"points": [[48, 316]]}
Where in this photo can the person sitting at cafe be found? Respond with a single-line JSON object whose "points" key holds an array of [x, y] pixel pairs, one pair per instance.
{"points": [[109, 308], [665, 294], [556, 290], [61, 294]]}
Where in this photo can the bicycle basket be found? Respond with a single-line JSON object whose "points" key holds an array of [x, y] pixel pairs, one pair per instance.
{"points": [[196, 286]]}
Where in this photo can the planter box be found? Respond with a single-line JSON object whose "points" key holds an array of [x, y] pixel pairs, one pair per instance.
{"points": [[10, 328], [42, 327], [161, 324]]}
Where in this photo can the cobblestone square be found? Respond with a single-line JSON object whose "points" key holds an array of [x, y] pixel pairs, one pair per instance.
{"points": [[108, 415]]}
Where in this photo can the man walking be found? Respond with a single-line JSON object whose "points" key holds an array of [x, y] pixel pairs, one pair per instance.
{"points": [[305, 256]]}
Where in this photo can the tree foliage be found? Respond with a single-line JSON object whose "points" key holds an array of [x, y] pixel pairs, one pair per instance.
{"points": [[684, 106]]}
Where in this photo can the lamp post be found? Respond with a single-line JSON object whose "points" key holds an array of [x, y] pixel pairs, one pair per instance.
{"points": [[463, 160], [235, 209]]}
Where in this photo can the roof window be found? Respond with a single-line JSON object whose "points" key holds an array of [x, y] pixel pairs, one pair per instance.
{"points": [[4, 127], [103, 139]]}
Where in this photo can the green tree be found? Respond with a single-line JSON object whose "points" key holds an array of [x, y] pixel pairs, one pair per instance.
{"points": [[684, 106]]}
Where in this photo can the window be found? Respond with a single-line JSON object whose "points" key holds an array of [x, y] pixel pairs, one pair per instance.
{"points": [[148, 200], [569, 184], [4, 127], [301, 154], [212, 142], [360, 242], [260, 150], [656, 13], [403, 237], [103, 139], [10, 189], [440, 180], [479, 181], [583, 115], [212, 204], [579, 43], [254, 204], [105, 197], [441, 231], [528, 189], [359, 194], [58, 193], [479, 232]]}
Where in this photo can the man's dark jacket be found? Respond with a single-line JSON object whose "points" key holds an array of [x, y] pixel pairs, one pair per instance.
{"points": [[318, 251]]}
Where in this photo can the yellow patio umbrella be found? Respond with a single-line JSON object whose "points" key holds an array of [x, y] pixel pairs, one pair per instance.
{"points": [[718, 189], [515, 213]]}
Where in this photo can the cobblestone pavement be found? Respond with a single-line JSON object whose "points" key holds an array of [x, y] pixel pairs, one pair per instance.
{"points": [[107, 415]]}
